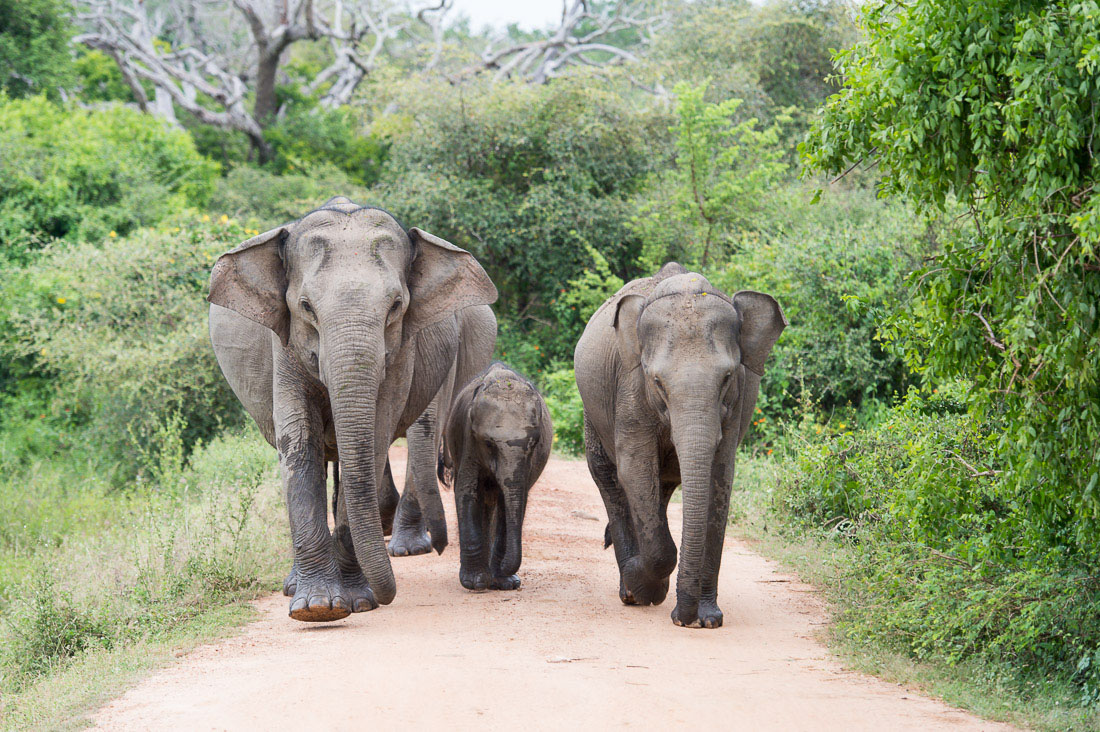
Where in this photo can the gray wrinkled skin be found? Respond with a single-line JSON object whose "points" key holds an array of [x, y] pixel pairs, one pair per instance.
{"points": [[499, 437], [335, 332], [669, 370]]}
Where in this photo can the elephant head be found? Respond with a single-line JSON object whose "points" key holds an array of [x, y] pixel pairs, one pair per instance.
{"points": [[346, 289], [700, 356]]}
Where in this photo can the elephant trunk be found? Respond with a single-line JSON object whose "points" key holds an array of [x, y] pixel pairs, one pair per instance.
{"points": [[515, 505], [695, 433], [356, 367]]}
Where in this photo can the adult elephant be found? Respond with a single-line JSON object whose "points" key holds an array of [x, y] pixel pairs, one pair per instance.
{"points": [[335, 332], [669, 370]]}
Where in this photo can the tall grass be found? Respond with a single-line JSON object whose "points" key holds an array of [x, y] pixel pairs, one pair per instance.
{"points": [[85, 567]]}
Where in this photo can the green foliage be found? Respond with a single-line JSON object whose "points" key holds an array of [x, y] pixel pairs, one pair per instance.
{"points": [[34, 47], [838, 269], [118, 332], [307, 136], [566, 410], [304, 138], [99, 79], [995, 104], [79, 175], [267, 200], [721, 184], [525, 177], [947, 562]]}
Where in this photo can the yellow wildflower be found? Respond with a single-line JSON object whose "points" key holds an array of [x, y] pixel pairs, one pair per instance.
{"points": [[112, 234], [60, 301], [224, 219], [205, 217]]}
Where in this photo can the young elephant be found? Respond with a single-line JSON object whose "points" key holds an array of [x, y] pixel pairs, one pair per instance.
{"points": [[669, 370], [499, 436]]}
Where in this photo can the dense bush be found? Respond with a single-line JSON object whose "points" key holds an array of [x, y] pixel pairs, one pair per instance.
{"points": [[75, 174], [837, 268], [134, 565], [525, 177], [113, 340], [946, 560], [995, 104], [34, 47], [566, 411]]}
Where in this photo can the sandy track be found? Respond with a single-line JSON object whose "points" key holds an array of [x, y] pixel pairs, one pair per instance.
{"points": [[562, 652]]}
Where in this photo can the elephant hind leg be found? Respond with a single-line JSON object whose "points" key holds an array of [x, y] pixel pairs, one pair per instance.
{"points": [[620, 526]]}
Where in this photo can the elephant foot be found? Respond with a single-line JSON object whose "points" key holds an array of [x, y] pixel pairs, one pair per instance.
{"points": [[710, 614], [477, 580], [695, 615], [510, 582], [625, 595], [290, 584], [638, 587], [321, 599], [409, 541]]}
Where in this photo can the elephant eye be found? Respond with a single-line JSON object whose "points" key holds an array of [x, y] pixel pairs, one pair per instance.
{"points": [[396, 305], [659, 385], [307, 307]]}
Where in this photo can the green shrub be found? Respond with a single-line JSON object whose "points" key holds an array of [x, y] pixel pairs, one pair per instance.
{"points": [[566, 410], [945, 560], [526, 177], [114, 339], [838, 273], [76, 174], [268, 200], [49, 629], [307, 136], [34, 47], [993, 105]]}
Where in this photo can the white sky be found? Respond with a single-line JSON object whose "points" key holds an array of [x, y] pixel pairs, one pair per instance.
{"points": [[530, 14]]}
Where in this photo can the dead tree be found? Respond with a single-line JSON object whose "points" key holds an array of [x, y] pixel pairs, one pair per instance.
{"points": [[589, 34], [212, 57]]}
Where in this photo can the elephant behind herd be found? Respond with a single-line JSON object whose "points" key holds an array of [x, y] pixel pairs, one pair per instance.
{"points": [[342, 331]]}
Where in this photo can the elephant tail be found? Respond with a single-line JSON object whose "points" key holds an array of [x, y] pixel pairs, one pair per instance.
{"points": [[607, 535], [444, 466]]}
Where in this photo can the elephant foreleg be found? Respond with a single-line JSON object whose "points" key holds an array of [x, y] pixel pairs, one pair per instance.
{"points": [[472, 540], [710, 615], [499, 528]]}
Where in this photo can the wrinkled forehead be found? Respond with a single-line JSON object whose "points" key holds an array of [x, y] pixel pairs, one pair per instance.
{"points": [[691, 316], [334, 235]]}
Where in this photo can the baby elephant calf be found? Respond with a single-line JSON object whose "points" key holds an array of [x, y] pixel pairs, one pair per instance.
{"points": [[498, 436]]}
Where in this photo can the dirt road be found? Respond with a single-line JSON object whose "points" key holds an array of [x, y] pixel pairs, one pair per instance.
{"points": [[561, 652]]}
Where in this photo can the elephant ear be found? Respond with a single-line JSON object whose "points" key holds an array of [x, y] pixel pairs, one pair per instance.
{"points": [[762, 321], [628, 311], [251, 280], [443, 279]]}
